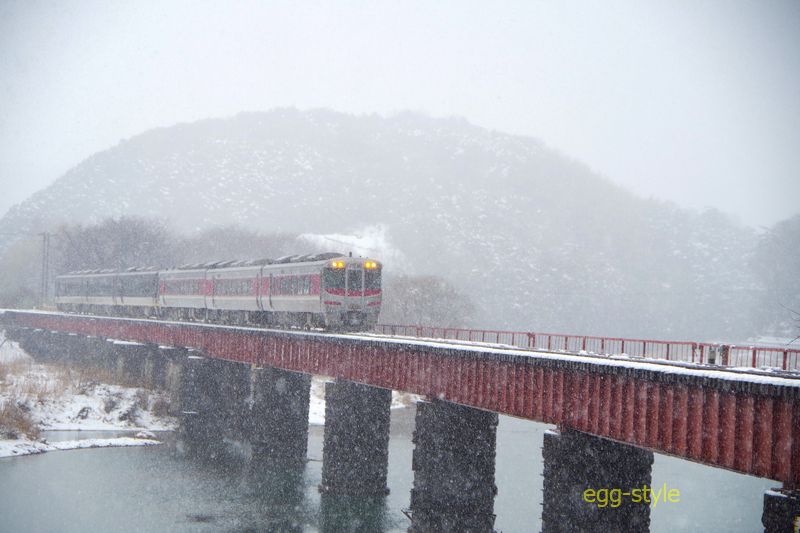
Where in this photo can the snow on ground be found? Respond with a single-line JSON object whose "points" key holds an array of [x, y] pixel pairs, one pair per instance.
{"points": [[316, 404], [13, 448], [10, 352], [316, 408], [59, 398]]}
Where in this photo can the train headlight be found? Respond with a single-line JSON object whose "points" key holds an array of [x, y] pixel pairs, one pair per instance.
{"points": [[370, 264], [337, 264]]}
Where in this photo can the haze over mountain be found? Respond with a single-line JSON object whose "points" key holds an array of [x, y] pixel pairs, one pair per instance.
{"points": [[534, 238]]}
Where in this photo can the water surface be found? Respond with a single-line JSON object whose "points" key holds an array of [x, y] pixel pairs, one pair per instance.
{"points": [[156, 488]]}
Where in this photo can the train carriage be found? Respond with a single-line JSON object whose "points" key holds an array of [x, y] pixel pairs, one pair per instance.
{"points": [[291, 288], [137, 289], [185, 288], [235, 288]]}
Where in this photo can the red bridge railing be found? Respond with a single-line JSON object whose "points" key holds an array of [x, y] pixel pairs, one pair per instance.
{"points": [[734, 355]]}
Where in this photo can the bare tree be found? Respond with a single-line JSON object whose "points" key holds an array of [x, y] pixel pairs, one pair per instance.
{"points": [[776, 263], [115, 243], [425, 300], [235, 242]]}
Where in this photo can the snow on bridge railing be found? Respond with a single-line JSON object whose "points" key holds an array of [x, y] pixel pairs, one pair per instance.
{"points": [[696, 352]]}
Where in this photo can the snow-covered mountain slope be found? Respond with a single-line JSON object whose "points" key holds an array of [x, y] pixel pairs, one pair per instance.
{"points": [[536, 239]]}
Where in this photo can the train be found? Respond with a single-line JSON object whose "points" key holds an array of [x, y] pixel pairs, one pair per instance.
{"points": [[331, 290]]}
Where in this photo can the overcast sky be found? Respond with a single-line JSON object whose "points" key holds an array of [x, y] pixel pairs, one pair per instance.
{"points": [[692, 101]]}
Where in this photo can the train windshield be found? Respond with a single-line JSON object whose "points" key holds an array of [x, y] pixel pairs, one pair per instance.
{"points": [[372, 279], [333, 278], [354, 280]]}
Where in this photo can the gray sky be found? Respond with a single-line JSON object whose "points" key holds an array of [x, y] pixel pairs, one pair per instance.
{"points": [[692, 101]]}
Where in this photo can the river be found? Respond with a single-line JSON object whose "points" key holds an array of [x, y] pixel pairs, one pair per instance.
{"points": [[159, 489]]}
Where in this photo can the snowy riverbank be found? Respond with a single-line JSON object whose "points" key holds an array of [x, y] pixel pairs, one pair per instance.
{"points": [[13, 448], [316, 407], [36, 397]]}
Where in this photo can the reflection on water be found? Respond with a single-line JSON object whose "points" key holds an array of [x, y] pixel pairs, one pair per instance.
{"points": [[159, 489], [350, 514], [277, 489]]}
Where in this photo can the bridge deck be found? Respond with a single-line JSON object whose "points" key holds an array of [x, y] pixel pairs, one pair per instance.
{"points": [[746, 422]]}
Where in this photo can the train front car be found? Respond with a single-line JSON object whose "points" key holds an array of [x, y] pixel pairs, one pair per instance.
{"points": [[351, 293]]}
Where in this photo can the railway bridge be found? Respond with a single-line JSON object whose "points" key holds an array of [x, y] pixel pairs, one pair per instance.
{"points": [[611, 414]]}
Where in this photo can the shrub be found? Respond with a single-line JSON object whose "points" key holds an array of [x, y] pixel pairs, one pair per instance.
{"points": [[160, 407], [15, 422], [142, 399]]}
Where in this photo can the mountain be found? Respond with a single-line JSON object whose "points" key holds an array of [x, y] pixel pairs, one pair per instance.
{"points": [[536, 239]]}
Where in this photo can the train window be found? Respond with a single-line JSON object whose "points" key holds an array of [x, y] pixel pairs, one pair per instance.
{"points": [[372, 279], [182, 286], [143, 285], [306, 284], [333, 278], [69, 287], [101, 286], [127, 285], [233, 287], [294, 285], [354, 280]]}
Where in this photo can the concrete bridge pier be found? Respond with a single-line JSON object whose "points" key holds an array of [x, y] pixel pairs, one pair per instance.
{"points": [[453, 465], [40, 344], [355, 454], [99, 353], [25, 338], [55, 347], [575, 462], [278, 425], [172, 376], [781, 511], [234, 388], [129, 358], [13, 333], [201, 425], [155, 366], [77, 350], [66, 347]]}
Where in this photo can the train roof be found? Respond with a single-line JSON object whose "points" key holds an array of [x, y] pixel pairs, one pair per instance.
{"points": [[225, 263]]}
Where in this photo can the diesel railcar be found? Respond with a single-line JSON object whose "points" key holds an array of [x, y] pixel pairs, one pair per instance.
{"points": [[329, 290]]}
